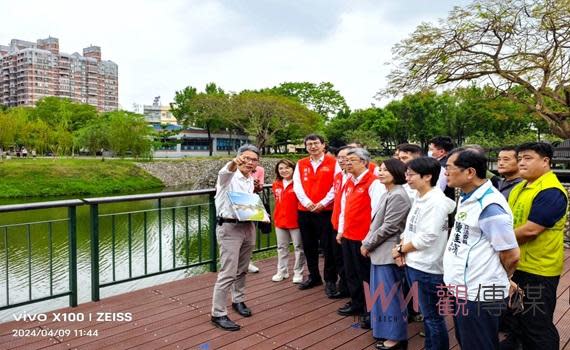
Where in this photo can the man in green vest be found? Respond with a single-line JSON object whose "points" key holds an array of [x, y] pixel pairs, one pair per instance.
{"points": [[539, 204]]}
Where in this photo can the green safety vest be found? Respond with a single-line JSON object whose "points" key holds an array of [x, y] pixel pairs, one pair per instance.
{"points": [[544, 255]]}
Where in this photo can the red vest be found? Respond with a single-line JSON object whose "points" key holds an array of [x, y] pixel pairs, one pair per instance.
{"points": [[338, 190], [317, 185], [357, 216], [285, 213], [372, 168]]}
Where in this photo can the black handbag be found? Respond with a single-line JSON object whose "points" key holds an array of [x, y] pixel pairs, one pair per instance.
{"points": [[265, 227]]}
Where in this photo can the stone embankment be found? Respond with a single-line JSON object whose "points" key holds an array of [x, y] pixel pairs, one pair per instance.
{"points": [[196, 174]]}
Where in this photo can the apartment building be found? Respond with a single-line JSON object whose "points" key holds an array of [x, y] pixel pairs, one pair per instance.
{"points": [[158, 114], [30, 71]]}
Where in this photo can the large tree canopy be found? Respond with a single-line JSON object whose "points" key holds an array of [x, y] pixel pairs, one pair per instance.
{"points": [[266, 116], [206, 110], [321, 98], [506, 43]]}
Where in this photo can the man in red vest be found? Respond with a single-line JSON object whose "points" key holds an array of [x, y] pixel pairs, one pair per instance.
{"points": [[339, 184], [359, 204], [313, 185]]}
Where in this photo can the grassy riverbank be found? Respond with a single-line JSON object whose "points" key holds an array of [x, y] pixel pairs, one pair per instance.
{"points": [[71, 177]]}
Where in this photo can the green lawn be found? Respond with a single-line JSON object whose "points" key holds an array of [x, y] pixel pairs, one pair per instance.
{"points": [[59, 177]]}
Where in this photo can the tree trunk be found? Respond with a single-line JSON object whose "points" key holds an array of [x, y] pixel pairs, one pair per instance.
{"points": [[260, 143], [210, 143]]}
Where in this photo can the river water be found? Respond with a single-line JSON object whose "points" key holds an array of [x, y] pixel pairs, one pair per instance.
{"points": [[16, 272]]}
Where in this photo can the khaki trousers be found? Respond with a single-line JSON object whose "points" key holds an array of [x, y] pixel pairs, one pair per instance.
{"points": [[236, 242]]}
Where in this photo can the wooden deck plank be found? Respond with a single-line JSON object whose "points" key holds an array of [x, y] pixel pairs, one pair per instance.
{"points": [[298, 327], [157, 327], [328, 332], [343, 336], [563, 327], [175, 315], [253, 324], [161, 330]]}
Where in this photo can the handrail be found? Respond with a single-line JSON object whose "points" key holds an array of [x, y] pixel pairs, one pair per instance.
{"points": [[147, 196], [41, 205], [169, 228]]}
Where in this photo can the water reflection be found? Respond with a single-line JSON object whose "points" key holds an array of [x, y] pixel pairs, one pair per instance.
{"points": [[38, 252]]}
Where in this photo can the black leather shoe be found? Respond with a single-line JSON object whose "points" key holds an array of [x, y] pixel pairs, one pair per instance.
{"points": [[348, 311], [225, 323], [418, 317], [365, 321], [310, 283], [242, 309], [330, 289], [399, 345], [340, 294], [510, 343]]}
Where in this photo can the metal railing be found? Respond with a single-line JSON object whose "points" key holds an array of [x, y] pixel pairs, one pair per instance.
{"points": [[161, 242], [71, 220]]}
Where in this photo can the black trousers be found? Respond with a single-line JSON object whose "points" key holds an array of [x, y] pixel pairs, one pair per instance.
{"points": [[534, 327], [315, 226], [357, 269]]}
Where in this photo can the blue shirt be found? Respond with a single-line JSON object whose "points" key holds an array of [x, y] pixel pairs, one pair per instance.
{"points": [[548, 207]]}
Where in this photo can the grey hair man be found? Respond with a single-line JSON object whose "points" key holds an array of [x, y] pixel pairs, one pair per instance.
{"points": [[359, 203], [235, 238]]}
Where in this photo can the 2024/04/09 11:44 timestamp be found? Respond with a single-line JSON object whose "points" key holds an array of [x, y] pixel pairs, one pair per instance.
{"points": [[35, 332]]}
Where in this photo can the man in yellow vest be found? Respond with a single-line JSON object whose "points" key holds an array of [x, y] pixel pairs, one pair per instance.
{"points": [[539, 204]]}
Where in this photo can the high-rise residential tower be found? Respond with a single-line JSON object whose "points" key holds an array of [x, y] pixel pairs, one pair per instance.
{"points": [[30, 71]]}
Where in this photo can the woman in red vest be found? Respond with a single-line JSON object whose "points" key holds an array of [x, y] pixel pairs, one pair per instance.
{"points": [[388, 317], [286, 223]]}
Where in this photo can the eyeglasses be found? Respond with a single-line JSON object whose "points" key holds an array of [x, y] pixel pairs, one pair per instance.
{"points": [[453, 168], [250, 160], [353, 160], [410, 174], [314, 143]]}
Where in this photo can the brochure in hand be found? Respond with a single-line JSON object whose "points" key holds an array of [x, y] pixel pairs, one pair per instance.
{"points": [[248, 207]]}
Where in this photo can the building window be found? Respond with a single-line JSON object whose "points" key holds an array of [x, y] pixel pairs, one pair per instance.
{"points": [[194, 145], [226, 144]]}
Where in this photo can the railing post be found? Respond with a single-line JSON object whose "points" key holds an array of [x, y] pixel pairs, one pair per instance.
{"points": [[72, 232], [94, 223], [213, 241]]}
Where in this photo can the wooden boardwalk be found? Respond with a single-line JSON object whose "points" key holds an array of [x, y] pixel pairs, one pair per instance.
{"points": [[176, 316]]}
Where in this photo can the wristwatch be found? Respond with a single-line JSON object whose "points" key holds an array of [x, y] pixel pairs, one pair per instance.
{"points": [[399, 246]]}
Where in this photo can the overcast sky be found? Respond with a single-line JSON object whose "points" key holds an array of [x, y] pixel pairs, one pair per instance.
{"points": [[165, 45]]}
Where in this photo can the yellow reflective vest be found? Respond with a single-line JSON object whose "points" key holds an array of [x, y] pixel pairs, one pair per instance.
{"points": [[544, 255]]}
